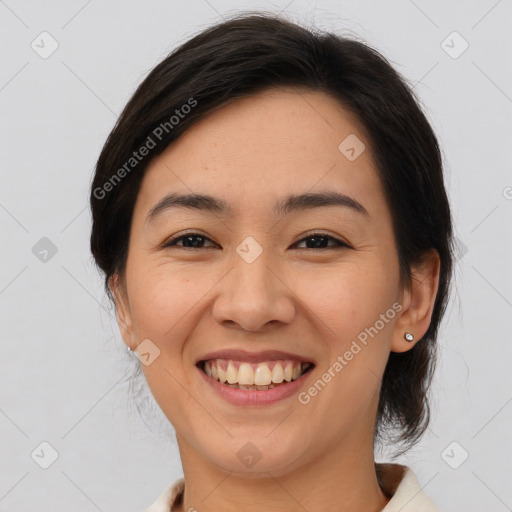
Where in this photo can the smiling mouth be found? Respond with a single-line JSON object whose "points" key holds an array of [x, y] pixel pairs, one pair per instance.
{"points": [[254, 376]]}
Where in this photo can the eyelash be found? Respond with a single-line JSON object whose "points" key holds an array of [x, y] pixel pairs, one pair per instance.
{"points": [[314, 234]]}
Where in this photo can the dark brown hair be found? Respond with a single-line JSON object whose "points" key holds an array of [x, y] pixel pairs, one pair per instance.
{"points": [[249, 53]]}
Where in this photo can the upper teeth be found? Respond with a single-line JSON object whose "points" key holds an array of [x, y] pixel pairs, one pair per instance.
{"points": [[259, 374]]}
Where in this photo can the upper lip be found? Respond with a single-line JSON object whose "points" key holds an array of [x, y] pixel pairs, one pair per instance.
{"points": [[253, 357]]}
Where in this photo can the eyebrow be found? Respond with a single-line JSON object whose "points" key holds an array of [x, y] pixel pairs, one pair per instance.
{"points": [[291, 203]]}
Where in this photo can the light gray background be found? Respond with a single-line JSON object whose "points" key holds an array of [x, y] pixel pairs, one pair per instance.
{"points": [[62, 361]]}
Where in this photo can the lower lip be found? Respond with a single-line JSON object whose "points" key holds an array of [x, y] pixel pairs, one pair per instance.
{"points": [[255, 397]]}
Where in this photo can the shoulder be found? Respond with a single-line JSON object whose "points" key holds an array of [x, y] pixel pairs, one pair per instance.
{"points": [[402, 485], [171, 496]]}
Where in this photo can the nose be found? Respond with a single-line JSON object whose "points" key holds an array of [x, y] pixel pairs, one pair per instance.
{"points": [[254, 295]]}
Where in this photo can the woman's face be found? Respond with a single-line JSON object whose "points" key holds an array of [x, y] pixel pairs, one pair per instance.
{"points": [[252, 279]]}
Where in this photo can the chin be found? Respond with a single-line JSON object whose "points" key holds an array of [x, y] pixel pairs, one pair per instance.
{"points": [[255, 456]]}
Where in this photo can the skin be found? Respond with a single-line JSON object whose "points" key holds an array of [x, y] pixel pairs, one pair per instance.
{"points": [[293, 297]]}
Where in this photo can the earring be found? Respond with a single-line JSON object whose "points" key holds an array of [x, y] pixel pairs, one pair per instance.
{"points": [[128, 348], [408, 336]]}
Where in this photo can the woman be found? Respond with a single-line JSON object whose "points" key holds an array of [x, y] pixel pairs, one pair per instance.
{"points": [[271, 219]]}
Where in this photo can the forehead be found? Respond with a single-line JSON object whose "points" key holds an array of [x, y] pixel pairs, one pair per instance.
{"points": [[255, 149]]}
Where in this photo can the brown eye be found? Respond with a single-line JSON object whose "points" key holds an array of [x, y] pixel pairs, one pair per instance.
{"points": [[320, 241], [189, 241]]}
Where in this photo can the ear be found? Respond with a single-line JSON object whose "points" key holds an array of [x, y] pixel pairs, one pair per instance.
{"points": [[418, 302], [123, 314]]}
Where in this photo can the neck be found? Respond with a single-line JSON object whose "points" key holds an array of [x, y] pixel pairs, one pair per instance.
{"points": [[343, 479]]}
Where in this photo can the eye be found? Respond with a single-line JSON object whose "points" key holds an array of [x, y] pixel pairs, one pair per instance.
{"points": [[190, 241], [318, 240]]}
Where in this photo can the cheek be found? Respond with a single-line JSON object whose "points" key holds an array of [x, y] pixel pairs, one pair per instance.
{"points": [[352, 308], [162, 298], [345, 299], [163, 304]]}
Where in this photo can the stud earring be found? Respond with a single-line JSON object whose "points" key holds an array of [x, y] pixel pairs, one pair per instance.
{"points": [[408, 336]]}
